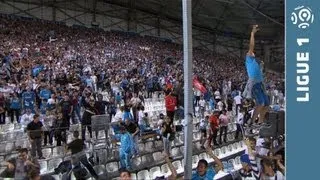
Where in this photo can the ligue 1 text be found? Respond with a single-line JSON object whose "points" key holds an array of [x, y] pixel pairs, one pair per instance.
{"points": [[303, 72]]}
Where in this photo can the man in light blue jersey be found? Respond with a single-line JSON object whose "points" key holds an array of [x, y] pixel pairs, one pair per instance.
{"points": [[255, 85], [28, 99]]}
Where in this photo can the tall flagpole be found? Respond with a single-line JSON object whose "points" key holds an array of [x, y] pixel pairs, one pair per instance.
{"points": [[188, 93]]}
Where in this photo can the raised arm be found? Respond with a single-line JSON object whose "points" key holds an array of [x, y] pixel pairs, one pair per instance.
{"points": [[280, 165], [252, 41], [215, 158], [174, 173]]}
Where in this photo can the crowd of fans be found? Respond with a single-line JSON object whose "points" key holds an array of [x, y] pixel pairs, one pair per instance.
{"points": [[53, 76]]}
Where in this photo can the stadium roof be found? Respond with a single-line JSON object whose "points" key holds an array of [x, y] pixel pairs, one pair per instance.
{"points": [[218, 25], [221, 16]]}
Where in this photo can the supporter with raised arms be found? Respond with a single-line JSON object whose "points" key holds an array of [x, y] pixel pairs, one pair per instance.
{"points": [[203, 171], [255, 87]]}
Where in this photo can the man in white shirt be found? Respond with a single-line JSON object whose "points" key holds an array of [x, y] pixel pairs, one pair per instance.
{"points": [[220, 105], [197, 93], [275, 96], [135, 101], [217, 95], [281, 98], [26, 118], [94, 81], [239, 123], [116, 120], [202, 106], [238, 101]]}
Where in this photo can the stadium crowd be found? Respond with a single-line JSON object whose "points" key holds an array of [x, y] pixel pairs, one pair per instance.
{"points": [[54, 76]]}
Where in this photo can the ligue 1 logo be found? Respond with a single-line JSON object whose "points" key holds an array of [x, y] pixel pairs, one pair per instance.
{"points": [[302, 16]]}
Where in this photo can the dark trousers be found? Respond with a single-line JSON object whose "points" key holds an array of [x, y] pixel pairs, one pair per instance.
{"points": [[66, 118], [76, 112], [150, 92], [223, 132], [36, 147], [111, 114], [134, 112], [15, 112], [197, 100], [239, 130], [170, 114], [3, 118], [48, 135], [61, 136], [213, 137], [238, 106]]}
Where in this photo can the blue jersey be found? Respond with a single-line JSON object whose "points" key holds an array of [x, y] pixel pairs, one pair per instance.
{"points": [[127, 115], [253, 69], [89, 82], [28, 98], [208, 176], [15, 103], [45, 94], [43, 108]]}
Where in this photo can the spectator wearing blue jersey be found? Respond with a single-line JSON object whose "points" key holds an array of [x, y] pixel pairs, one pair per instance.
{"points": [[125, 85], [127, 114], [118, 99], [44, 107], [203, 171], [255, 86], [89, 81], [28, 99], [150, 87], [276, 107], [15, 106], [45, 93], [126, 148], [212, 103]]}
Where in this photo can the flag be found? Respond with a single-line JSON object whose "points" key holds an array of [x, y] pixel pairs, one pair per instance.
{"points": [[197, 84]]}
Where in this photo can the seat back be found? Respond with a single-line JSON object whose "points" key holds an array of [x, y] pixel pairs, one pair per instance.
{"points": [[43, 166], [143, 175], [112, 167], [157, 156], [53, 163], [100, 170], [9, 147], [154, 172], [136, 162], [47, 152], [176, 152], [165, 170], [177, 164]]}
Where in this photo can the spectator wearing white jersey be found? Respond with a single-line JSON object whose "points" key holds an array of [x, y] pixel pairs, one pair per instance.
{"points": [[239, 123], [202, 106], [238, 102]]}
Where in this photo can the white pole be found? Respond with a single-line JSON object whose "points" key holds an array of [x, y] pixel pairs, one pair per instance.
{"points": [[188, 93]]}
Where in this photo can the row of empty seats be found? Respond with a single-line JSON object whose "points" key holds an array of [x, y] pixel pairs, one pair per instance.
{"points": [[163, 170]]}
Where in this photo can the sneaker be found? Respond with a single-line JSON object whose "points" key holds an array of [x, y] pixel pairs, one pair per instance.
{"points": [[130, 169]]}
